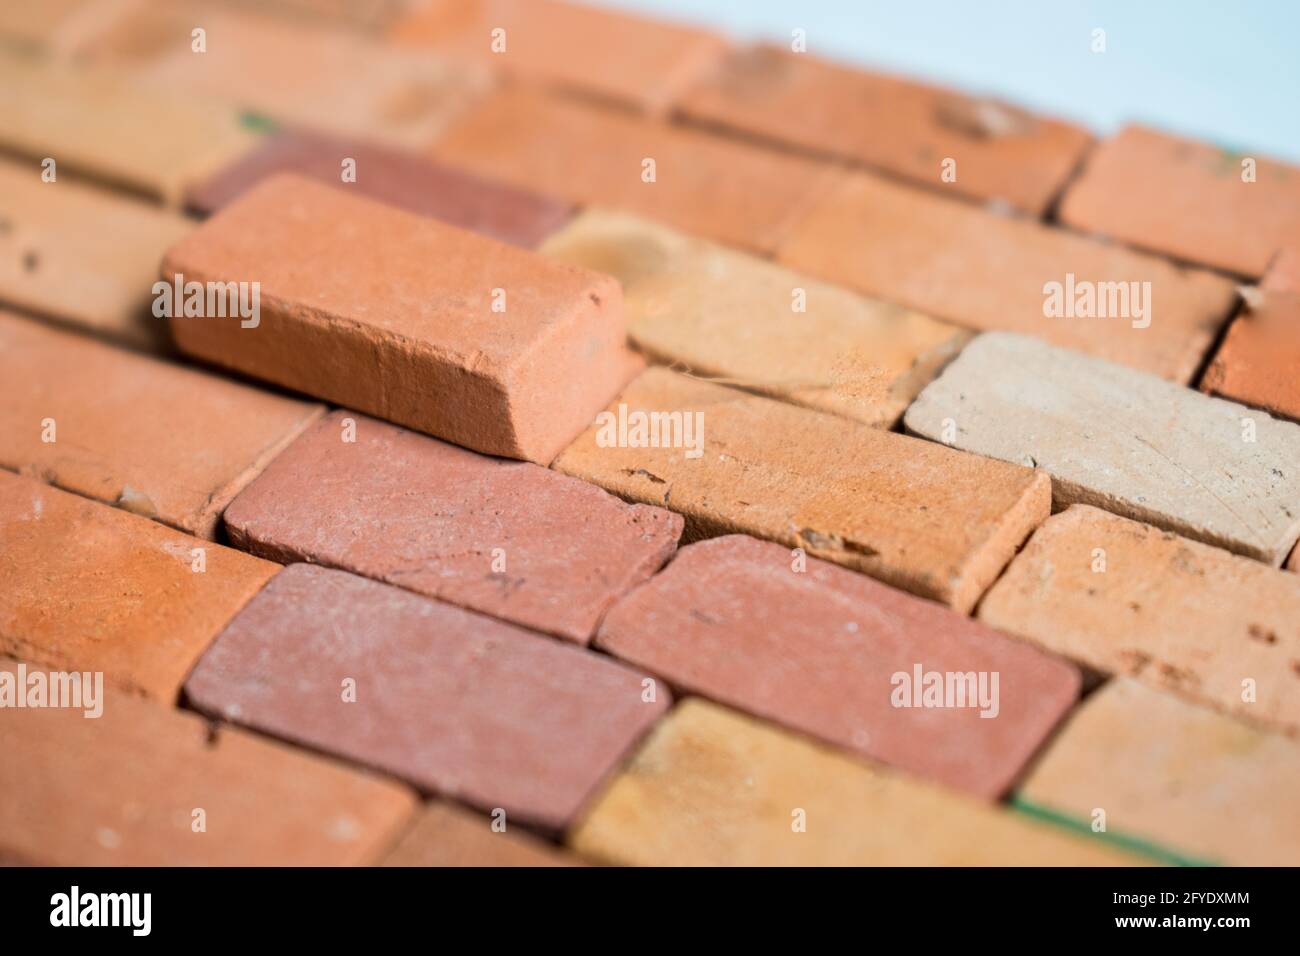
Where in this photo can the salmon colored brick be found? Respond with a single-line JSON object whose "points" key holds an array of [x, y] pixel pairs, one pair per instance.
{"points": [[444, 834], [704, 185], [144, 785], [992, 272], [725, 618], [491, 347], [1187, 199], [713, 788], [604, 53], [736, 318], [1126, 598], [994, 150], [916, 515], [1190, 780], [89, 587], [167, 442], [56, 262]]}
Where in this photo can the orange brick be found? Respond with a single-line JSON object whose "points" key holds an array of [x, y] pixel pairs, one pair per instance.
{"points": [[897, 125], [444, 834]]}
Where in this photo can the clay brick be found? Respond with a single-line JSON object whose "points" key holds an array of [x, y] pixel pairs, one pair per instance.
{"points": [[393, 314], [1126, 598], [906, 128], [90, 587], [722, 619], [916, 515], [1192, 780], [372, 16], [604, 53], [710, 787], [990, 272], [446, 835], [166, 442], [504, 538], [398, 178], [55, 259], [455, 703], [701, 307], [704, 185], [1186, 199], [53, 27], [123, 790], [1124, 441]]}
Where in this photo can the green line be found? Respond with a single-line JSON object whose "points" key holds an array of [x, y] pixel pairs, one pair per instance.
{"points": [[1124, 841], [258, 122]]}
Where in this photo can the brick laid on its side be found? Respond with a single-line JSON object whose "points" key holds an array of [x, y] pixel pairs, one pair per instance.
{"points": [[1126, 598], [444, 834], [1122, 440]]}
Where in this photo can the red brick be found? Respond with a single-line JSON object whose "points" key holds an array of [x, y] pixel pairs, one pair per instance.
{"points": [[456, 703], [505, 538], [392, 314], [444, 834], [725, 616]]}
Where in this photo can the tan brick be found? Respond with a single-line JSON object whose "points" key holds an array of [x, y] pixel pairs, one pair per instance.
{"points": [[1126, 598], [167, 442], [54, 27], [704, 185], [736, 318], [906, 128], [1170, 772], [713, 788], [990, 272], [914, 514], [55, 260], [127, 788], [444, 834], [90, 587]]}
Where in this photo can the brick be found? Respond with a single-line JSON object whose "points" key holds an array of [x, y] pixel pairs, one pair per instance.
{"points": [[1191, 780], [713, 788], [170, 443], [1126, 598], [392, 314], [53, 27], [986, 271], [720, 622], [1186, 199], [905, 128], [93, 588], [371, 16], [53, 265], [699, 306], [915, 515], [504, 538], [123, 790], [1124, 441], [455, 703], [704, 185], [446, 835], [152, 141], [610, 55], [401, 179]]}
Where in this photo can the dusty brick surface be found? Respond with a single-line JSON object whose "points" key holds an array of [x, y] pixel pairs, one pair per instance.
{"points": [[1189, 779], [925, 518], [711, 787], [1172, 613], [90, 587], [456, 703], [819, 651], [167, 442], [701, 307], [509, 539], [56, 262], [906, 128], [705, 185], [636, 61], [406, 180], [1124, 441], [1186, 199], [444, 834], [986, 271], [122, 790], [392, 314]]}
